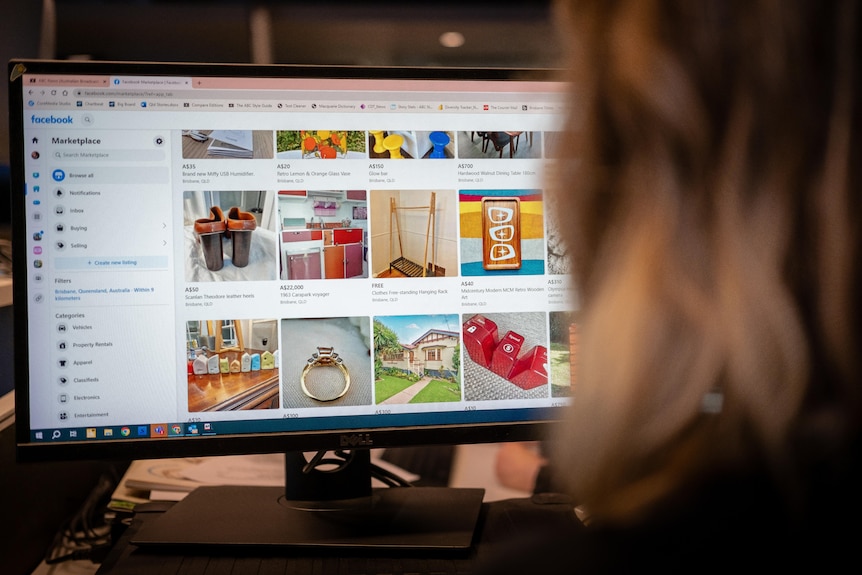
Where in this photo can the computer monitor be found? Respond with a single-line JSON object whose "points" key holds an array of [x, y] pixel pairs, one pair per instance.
{"points": [[223, 259]]}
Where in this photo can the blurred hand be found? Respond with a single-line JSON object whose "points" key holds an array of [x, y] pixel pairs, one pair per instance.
{"points": [[517, 465]]}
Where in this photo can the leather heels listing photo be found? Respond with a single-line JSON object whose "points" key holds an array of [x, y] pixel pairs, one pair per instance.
{"points": [[236, 226]]}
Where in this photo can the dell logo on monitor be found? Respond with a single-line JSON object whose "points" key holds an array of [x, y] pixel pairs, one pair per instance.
{"points": [[356, 440]]}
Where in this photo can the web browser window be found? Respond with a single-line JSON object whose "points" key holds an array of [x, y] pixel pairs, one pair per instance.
{"points": [[226, 255]]}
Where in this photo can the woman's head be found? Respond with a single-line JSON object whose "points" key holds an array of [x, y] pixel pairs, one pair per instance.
{"points": [[712, 205]]}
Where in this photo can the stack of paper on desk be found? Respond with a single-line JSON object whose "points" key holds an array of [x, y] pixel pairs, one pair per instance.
{"points": [[171, 479]]}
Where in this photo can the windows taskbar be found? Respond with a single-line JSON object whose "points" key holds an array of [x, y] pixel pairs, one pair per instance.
{"points": [[141, 431], [291, 425]]}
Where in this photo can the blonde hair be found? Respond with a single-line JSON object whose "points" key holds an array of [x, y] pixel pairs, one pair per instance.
{"points": [[713, 208]]}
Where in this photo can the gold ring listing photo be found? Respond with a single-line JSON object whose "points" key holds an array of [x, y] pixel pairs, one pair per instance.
{"points": [[327, 362]]}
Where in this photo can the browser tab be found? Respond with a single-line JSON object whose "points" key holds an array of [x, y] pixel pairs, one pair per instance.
{"points": [[64, 80], [150, 82]]}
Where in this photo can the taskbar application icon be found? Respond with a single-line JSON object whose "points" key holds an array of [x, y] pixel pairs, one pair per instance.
{"points": [[193, 429]]}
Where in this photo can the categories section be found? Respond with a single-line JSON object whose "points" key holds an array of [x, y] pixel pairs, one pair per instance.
{"points": [[95, 353]]}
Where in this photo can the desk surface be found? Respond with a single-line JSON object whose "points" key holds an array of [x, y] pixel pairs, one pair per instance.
{"points": [[473, 466]]}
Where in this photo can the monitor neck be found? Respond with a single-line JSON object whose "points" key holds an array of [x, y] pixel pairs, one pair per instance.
{"points": [[323, 481]]}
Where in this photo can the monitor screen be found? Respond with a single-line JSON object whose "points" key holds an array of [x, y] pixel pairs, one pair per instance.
{"points": [[229, 259]]}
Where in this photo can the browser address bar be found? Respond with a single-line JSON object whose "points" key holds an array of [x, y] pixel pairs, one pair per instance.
{"points": [[124, 94]]}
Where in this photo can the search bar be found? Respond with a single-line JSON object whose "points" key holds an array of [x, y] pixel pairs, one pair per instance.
{"points": [[152, 155]]}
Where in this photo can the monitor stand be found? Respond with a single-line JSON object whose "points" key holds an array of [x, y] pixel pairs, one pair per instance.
{"points": [[320, 509]]}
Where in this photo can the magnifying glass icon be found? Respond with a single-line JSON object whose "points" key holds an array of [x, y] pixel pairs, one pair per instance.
{"points": [[56, 434], [57, 155]]}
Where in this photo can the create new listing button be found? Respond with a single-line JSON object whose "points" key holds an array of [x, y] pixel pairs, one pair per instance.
{"points": [[111, 263]]}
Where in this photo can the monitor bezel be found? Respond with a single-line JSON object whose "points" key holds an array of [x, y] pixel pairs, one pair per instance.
{"points": [[145, 448]]}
